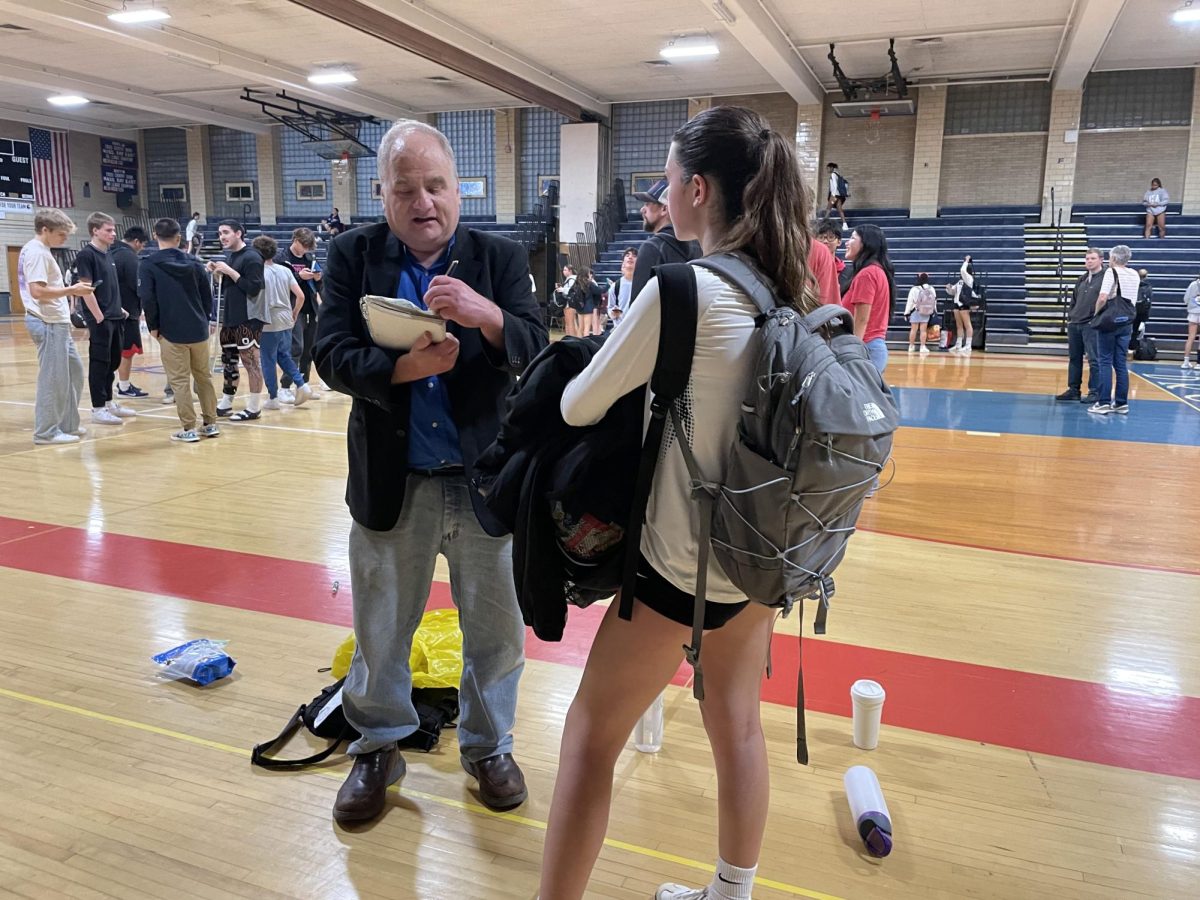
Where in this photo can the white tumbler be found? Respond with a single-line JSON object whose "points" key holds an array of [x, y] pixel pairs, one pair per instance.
{"points": [[867, 698], [871, 817]]}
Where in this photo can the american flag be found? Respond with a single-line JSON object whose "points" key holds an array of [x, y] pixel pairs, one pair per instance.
{"points": [[51, 168]]}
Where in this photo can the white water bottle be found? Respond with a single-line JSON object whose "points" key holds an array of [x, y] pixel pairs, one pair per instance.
{"points": [[648, 734], [869, 809]]}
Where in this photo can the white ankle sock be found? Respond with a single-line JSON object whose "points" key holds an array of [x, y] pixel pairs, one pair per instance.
{"points": [[226, 402], [254, 402], [731, 883], [123, 385]]}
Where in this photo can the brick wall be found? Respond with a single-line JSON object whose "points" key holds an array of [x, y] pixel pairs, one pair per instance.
{"points": [[1116, 166], [199, 170], [927, 153], [641, 137], [1011, 177], [808, 147], [166, 159], [234, 158], [880, 174], [778, 109], [1191, 191], [300, 163], [508, 163], [1059, 171]]}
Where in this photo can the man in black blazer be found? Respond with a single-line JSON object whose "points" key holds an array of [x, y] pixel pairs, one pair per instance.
{"points": [[418, 422]]}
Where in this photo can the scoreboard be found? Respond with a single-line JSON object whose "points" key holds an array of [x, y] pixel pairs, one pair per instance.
{"points": [[16, 170]]}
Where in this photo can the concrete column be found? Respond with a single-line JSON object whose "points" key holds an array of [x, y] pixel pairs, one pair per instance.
{"points": [[1061, 148], [345, 197], [809, 120], [270, 176], [143, 182], [508, 164], [927, 153], [1191, 178], [199, 170], [698, 105], [579, 176]]}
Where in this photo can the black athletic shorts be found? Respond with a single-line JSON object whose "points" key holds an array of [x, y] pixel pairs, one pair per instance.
{"points": [[667, 600], [131, 336]]}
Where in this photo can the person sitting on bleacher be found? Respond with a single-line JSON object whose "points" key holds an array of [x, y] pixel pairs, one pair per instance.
{"points": [[1155, 201]]}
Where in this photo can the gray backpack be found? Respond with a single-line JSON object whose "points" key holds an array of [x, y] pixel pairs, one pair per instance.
{"points": [[815, 432]]}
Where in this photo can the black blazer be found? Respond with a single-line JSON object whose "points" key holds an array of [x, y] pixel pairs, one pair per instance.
{"points": [[368, 260]]}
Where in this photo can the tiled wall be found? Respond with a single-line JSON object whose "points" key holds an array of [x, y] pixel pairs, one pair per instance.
{"points": [[371, 135], [778, 109], [997, 108], [880, 174], [166, 158], [1011, 177], [539, 142], [234, 157], [641, 137], [472, 134], [1117, 166], [1137, 99], [299, 163]]}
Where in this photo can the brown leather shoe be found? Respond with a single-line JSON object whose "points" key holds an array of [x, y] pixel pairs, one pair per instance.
{"points": [[501, 784], [363, 795]]}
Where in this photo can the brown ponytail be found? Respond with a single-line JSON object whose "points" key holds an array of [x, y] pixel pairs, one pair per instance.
{"points": [[762, 193]]}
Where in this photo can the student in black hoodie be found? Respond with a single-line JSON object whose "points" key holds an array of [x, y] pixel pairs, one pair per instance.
{"points": [[125, 253], [177, 299]]}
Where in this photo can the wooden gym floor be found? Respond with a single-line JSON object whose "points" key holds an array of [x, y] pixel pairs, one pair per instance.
{"points": [[1025, 589]]}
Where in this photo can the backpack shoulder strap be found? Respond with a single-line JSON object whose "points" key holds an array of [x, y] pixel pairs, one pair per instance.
{"points": [[745, 275], [826, 313], [678, 306], [258, 756]]}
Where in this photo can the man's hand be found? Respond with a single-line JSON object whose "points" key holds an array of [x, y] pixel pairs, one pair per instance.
{"points": [[425, 359], [217, 266], [79, 289], [307, 275], [454, 301]]}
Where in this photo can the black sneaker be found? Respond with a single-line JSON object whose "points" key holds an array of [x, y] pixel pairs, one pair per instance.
{"points": [[132, 391], [1068, 394], [1090, 398]]}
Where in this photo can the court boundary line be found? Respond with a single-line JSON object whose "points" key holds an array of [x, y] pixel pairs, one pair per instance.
{"points": [[1170, 394], [448, 802]]}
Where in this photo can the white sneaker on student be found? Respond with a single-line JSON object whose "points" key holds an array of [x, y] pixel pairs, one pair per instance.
{"points": [[186, 436], [680, 892], [61, 438], [272, 403], [912, 348], [123, 411], [303, 394], [286, 395], [106, 417], [966, 350], [924, 350], [1187, 364]]}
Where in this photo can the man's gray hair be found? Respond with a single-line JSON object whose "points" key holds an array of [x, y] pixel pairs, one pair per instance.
{"points": [[395, 138], [1120, 255]]}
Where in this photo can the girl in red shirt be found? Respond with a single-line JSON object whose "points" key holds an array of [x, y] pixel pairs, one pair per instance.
{"points": [[872, 290]]}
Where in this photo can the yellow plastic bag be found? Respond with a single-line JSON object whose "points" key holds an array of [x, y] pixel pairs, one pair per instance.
{"points": [[436, 658]]}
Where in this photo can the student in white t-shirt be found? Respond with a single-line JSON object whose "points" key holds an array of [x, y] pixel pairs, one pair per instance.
{"points": [[283, 298], [1112, 347], [921, 305], [734, 185], [1155, 201], [1192, 298], [48, 319]]}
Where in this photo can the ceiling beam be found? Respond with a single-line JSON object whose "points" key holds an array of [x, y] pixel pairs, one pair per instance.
{"points": [[764, 39], [185, 47], [30, 117], [1084, 38], [119, 95], [422, 34]]}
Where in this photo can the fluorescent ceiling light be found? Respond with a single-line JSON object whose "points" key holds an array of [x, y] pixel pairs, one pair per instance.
{"points": [[67, 100], [334, 76], [1187, 14], [139, 16], [690, 48]]}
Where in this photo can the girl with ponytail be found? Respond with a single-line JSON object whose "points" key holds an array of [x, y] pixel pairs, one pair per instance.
{"points": [[734, 184]]}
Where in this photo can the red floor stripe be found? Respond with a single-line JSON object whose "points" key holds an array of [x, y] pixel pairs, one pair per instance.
{"points": [[1110, 725]]}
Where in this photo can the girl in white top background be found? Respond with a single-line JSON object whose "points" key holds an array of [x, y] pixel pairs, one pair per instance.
{"points": [[1192, 298], [734, 185], [1155, 201], [921, 305]]}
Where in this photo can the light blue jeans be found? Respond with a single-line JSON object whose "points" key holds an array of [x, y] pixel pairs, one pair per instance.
{"points": [[59, 379], [276, 349], [390, 574], [878, 351]]}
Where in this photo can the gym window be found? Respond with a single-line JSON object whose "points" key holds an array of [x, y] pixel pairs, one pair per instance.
{"points": [[310, 190], [173, 192], [238, 191]]}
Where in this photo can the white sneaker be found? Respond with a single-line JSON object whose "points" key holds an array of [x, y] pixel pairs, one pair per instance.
{"points": [[845, 227], [286, 395], [303, 394], [78, 432], [123, 411], [168, 397], [924, 350], [1100, 409], [957, 348], [106, 417], [272, 403], [186, 436], [61, 438], [680, 892], [1187, 364], [912, 348], [966, 351]]}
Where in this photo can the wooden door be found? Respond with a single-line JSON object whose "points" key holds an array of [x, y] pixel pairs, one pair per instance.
{"points": [[15, 306]]}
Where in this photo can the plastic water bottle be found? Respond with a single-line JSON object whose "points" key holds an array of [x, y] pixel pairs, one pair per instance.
{"points": [[648, 735], [869, 810]]}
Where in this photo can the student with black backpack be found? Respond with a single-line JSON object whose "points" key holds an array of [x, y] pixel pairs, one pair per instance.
{"points": [[735, 185]]}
